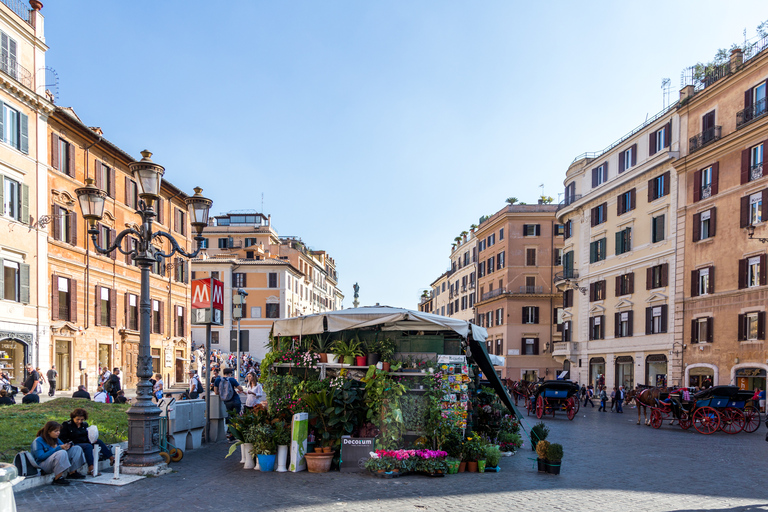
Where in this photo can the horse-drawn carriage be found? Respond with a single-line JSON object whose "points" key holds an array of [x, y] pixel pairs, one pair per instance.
{"points": [[554, 395], [725, 408]]}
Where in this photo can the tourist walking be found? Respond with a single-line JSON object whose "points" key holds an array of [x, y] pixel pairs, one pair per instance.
{"points": [[52, 377], [603, 399], [613, 398], [619, 399], [588, 397]]}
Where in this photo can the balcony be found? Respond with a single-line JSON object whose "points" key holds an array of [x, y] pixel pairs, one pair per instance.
{"points": [[706, 191], [568, 200], [19, 7], [493, 293], [10, 67], [568, 273], [756, 172], [751, 113], [706, 137], [562, 348], [531, 289]]}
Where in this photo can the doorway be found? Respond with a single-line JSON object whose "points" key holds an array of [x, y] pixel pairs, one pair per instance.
{"points": [[63, 360], [105, 351], [179, 366]]}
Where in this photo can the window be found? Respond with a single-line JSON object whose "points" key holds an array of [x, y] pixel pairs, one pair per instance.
{"points": [[466, 256], [491, 239], [597, 250], [705, 182], [489, 265], [155, 360], [204, 243], [530, 347], [752, 208], [501, 234], [656, 319], [752, 272], [530, 257], [701, 330], [568, 230], [500, 316], [62, 155], [530, 284], [568, 264], [558, 257], [628, 158], [105, 178], [623, 324], [251, 241], [64, 299], [8, 52], [132, 311], [568, 298], [557, 315], [567, 330], [14, 198], [623, 241], [599, 214], [752, 326], [64, 225], [500, 260], [755, 163], [481, 245], [157, 317], [531, 229], [704, 224], [530, 314], [754, 105], [597, 327], [658, 186], [238, 280], [104, 306], [660, 139], [559, 229], [181, 326], [499, 346], [656, 276], [181, 270], [214, 337], [626, 202], [273, 310], [599, 175], [625, 284], [180, 221], [273, 284], [15, 281], [657, 229], [226, 242], [215, 274], [597, 291], [570, 193], [131, 193], [105, 238], [14, 128]]}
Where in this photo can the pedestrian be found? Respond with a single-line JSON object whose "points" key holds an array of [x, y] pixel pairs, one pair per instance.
{"points": [[157, 389], [613, 398], [228, 388], [583, 392], [112, 384], [254, 392], [82, 392], [5, 398], [195, 386], [103, 376], [39, 389], [29, 396], [603, 398], [32, 380], [102, 396], [619, 399], [120, 398], [52, 377], [588, 397]]}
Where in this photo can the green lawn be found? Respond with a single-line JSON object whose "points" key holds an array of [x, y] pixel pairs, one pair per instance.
{"points": [[19, 423]]}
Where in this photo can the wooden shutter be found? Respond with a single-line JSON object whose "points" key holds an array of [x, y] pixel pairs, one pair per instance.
{"points": [[591, 328], [745, 166], [602, 327], [630, 321], [742, 274], [711, 287], [183, 321], [744, 213], [697, 226], [617, 289], [593, 252], [697, 186], [112, 236], [631, 284], [176, 220], [652, 143], [622, 167], [605, 170], [748, 103], [664, 318], [694, 283], [24, 218], [666, 177], [23, 282], [648, 320], [538, 229], [56, 211], [127, 191], [632, 199], [620, 204], [617, 325], [128, 246], [55, 151], [761, 325], [127, 298], [71, 159], [72, 221], [536, 314], [634, 155], [97, 169], [712, 221], [111, 190], [694, 332], [54, 297], [72, 300], [159, 210], [594, 177], [762, 270], [715, 177], [162, 317], [618, 243], [97, 306], [594, 216], [665, 274], [668, 135], [113, 308], [742, 330], [710, 329], [649, 278], [651, 189]]}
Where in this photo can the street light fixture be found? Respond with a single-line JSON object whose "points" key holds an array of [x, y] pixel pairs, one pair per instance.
{"points": [[143, 416], [751, 233]]}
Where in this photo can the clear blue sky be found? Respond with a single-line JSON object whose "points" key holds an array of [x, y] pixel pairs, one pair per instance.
{"points": [[376, 130]]}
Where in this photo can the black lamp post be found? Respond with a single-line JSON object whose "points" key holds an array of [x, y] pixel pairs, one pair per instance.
{"points": [[751, 233], [143, 416]]}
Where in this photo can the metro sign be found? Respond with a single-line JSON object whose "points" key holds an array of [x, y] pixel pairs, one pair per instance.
{"points": [[207, 302]]}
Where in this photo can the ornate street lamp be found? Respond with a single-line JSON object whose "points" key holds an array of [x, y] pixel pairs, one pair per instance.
{"points": [[751, 234], [143, 416]]}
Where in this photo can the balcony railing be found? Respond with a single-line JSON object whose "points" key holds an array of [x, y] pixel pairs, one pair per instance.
{"points": [[561, 348], [568, 200], [749, 114], [531, 289], [493, 293], [706, 137], [20, 7], [568, 273], [756, 172], [702, 77], [10, 67], [706, 191]]}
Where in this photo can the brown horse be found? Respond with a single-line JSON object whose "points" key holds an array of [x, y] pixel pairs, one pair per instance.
{"points": [[645, 397]]}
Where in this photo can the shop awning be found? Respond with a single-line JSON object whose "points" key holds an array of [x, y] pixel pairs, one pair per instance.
{"points": [[479, 355]]}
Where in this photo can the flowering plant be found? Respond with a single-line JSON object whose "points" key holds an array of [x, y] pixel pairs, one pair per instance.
{"points": [[407, 460]]}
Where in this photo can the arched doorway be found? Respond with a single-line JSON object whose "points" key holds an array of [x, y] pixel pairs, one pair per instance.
{"points": [[749, 376], [625, 372], [567, 370], [701, 375], [14, 355], [656, 370], [596, 370]]}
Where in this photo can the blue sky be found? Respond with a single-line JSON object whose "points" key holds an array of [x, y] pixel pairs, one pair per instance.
{"points": [[376, 130]]}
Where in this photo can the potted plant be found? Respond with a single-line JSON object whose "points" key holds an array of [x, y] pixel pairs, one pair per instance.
{"points": [[282, 440], [541, 453], [492, 457], [264, 446], [554, 458], [474, 450], [372, 349], [323, 345], [539, 432], [348, 350], [387, 349]]}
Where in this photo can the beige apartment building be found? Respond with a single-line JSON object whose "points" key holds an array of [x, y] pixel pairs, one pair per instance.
{"points": [[519, 250], [461, 279], [281, 275], [619, 259], [440, 295], [721, 282], [24, 324]]}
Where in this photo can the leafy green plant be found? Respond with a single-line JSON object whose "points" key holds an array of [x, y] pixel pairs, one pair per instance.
{"points": [[415, 411], [282, 433], [541, 449], [387, 349], [492, 455], [554, 452], [350, 348], [382, 398], [262, 437], [539, 432], [474, 447], [323, 343]]}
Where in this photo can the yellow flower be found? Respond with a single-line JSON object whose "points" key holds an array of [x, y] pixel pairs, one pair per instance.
{"points": [[469, 439]]}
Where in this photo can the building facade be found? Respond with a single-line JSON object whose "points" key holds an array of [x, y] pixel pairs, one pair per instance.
{"points": [[94, 311], [461, 279], [619, 259], [722, 197], [281, 275], [519, 250], [24, 324]]}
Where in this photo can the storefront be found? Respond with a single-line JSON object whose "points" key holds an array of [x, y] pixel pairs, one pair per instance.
{"points": [[625, 372], [529, 375], [750, 378], [13, 357], [701, 377], [596, 370], [656, 370]]}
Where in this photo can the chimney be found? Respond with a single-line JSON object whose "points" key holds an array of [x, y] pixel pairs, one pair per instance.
{"points": [[686, 93], [737, 59]]}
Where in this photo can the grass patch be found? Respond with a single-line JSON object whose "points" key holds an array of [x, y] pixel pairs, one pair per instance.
{"points": [[19, 423]]}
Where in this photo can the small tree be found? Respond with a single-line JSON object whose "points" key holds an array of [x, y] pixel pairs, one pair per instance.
{"points": [[546, 199], [511, 200]]}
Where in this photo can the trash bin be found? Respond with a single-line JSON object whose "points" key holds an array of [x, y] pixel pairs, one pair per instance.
{"points": [[8, 476]]}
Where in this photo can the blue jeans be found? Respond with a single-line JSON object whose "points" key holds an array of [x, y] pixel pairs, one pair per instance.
{"points": [[88, 451], [618, 406]]}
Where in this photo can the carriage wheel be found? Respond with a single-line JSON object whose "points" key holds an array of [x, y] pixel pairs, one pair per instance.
{"points": [[706, 420], [656, 418], [576, 403], [540, 407], [571, 408], [732, 421], [751, 419], [685, 421]]}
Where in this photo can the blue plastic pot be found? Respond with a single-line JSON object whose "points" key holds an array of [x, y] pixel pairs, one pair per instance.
{"points": [[267, 462]]}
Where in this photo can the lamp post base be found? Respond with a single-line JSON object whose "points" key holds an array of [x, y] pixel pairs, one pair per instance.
{"points": [[154, 470], [143, 436]]}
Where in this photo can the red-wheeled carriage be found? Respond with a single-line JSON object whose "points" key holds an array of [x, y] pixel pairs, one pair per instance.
{"points": [[554, 395]]}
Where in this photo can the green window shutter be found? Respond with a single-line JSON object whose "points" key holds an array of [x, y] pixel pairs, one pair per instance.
{"points": [[24, 204], [2, 280], [23, 133], [603, 246], [24, 283], [592, 250], [618, 243], [2, 118], [2, 188]]}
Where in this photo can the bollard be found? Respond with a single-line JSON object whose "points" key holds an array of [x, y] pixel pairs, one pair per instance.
{"points": [[96, 453], [117, 464]]}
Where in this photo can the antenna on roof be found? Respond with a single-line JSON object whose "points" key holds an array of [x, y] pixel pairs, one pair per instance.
{"points": [[666, 87], [262, 202]]}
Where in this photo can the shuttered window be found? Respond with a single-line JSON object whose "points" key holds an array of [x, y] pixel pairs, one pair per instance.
{"points": [[14, 128]]}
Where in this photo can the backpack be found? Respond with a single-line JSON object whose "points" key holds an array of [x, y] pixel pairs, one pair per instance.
{"points": [[26, 465], [108, 385], [226, 392], [198, 386]]}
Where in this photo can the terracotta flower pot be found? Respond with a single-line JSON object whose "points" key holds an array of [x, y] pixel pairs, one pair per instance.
{"points": [[318, 449], [472, 466], [323, 357], [327, 449], [385, 366], [318, 462], [462, 467], [360, 360]]}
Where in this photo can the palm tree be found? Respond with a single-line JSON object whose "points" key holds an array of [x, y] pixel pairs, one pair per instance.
{"points": [[511, 200]]}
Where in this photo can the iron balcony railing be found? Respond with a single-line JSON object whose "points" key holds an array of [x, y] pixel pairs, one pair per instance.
{"points": [[568, 273], [20, 7], [706, 191], [756, 172], [749, 114], [531, 289], [568, 200], [701, 77], [706, 137], [493, 293], [10, 67]]}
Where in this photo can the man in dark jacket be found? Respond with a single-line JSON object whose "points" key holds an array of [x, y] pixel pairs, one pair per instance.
{"points": [[52, 376], [32, 380], [112, 385], [81, 393], [29, 397]]}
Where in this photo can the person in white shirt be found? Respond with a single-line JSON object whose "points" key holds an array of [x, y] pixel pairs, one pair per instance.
{"points": [[254, 392], [158, 389], [100, 396], [194, 380]]}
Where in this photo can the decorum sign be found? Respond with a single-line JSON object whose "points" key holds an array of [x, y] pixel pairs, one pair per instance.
{"points": [[207, 302]]}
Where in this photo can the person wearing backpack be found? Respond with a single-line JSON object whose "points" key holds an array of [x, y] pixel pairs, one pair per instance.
{"points": [[228, 388], [54, 456], [195, 386], [112, 384]]}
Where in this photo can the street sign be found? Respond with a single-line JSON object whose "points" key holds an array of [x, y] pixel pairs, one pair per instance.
{"points": [[207, 302]]}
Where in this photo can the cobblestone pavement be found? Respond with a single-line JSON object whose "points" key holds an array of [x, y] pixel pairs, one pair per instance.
{"points": [[610, 464]]}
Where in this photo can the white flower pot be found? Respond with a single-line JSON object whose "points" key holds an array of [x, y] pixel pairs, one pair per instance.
{"points": [[242, 453], [248, 457], [282, 456]]}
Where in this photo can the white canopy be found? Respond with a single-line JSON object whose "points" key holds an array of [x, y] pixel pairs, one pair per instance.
{"points": [[389, 318]]}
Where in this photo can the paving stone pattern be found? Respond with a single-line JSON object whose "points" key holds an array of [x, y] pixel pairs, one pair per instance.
{"points": [[610, 464]]}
